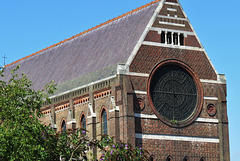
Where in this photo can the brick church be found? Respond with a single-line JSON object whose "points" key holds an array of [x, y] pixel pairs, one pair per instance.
{"points": [[143, 77]]}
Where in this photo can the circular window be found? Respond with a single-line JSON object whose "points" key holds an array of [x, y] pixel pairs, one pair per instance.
{"points": [[174, 93], [140, 105], [211, 110]]}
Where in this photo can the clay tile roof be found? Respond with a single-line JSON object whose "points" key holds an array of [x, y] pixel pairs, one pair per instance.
{"points": [[88, 56]]}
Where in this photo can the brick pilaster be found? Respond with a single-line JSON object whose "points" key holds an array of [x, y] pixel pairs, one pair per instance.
{"points": [[71, 124]]}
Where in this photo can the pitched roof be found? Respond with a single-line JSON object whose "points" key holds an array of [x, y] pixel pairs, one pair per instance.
{"points": [[89, 56]]}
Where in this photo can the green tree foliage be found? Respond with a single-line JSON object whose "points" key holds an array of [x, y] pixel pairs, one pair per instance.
{"points": [[113, 150], [23, 137]]}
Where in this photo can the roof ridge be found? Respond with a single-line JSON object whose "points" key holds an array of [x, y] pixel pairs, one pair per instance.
{"points": [[86, 31]]}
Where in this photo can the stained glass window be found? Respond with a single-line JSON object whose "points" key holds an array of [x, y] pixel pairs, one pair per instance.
{"points": [[104, 122], [174, 93]]}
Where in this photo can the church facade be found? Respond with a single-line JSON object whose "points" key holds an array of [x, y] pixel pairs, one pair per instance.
{"points": [[143, 77]]}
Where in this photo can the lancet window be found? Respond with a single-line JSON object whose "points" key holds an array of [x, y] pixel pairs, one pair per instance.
{"points": [[83, 122], [63, 126], [104, 122]]}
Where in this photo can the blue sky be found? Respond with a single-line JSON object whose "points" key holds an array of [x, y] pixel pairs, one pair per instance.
{"points": [[27, 26]]}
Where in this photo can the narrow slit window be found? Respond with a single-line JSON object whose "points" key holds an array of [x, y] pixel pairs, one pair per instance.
{"points": [[181, 37], [175, 38], [169, 38], [163, 37]]}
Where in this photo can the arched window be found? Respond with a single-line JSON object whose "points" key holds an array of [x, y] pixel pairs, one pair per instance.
{"points": [[104, 122], [83, 122], [63, 126], [169, 158], [202, 159], [186, 159]]}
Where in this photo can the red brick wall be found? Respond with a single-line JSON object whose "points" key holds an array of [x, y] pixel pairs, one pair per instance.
{"points": [[177, 149], [210, 89], [149, 56], [153, 36], [79, 110], [155, 126], [161, 149], [165, 12], [139, 83], [166, 26], [59, 116], [191, 40]]}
